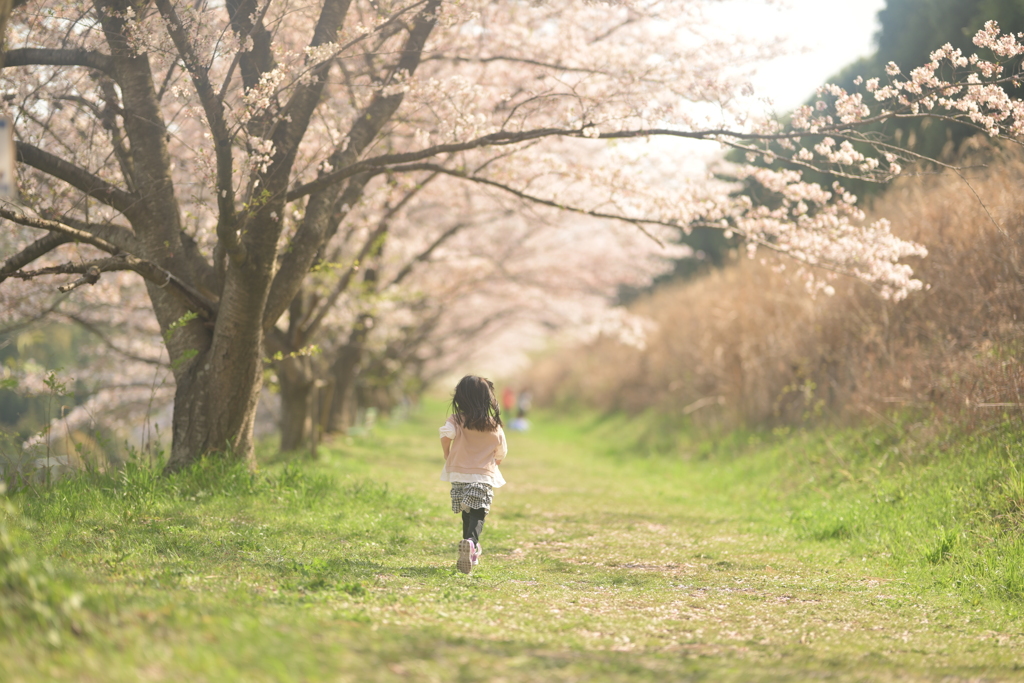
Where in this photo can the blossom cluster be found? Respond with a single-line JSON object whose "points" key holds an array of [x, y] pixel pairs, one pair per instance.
{"points": [[824, 228], [970, 89]]}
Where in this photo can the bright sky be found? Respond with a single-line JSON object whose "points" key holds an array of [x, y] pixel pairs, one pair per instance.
{"points": [[815, 50], [825, 36]]}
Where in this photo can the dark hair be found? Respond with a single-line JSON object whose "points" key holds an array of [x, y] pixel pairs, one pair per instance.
{"points": [[474, 405]]}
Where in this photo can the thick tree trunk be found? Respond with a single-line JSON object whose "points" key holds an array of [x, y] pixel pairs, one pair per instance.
{"points": [[215, 410], [297, 377], [218, 389]]}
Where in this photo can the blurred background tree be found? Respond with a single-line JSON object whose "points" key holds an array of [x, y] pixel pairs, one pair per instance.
{"points": [[50, 345]]}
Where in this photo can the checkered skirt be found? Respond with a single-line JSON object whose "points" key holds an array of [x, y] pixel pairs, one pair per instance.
{"points": [[466, 495]]}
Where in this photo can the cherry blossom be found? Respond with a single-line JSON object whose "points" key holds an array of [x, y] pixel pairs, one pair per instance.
{"points": [[244, 164]]}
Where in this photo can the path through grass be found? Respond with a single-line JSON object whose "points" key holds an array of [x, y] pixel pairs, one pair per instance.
{"points": [[600, 564]]}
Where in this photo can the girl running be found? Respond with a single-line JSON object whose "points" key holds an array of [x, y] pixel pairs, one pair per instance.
{"points": [[474, 445]]}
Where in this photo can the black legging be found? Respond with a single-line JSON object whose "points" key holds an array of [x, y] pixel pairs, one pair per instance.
{"points": [[473, 524]]}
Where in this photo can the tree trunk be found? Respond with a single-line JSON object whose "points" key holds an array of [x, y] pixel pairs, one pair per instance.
{"points": [[338, 418], [215, 409], [218, 388], [296, 376], [5, 15], [344, 372]]}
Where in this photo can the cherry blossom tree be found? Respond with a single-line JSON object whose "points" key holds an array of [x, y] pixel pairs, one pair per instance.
{"points": [[219, 152], [436, 278]]}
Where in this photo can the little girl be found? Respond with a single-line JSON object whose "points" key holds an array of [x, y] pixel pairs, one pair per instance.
{"points": [[474, 446]]}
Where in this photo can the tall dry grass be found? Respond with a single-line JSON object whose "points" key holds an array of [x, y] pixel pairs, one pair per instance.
{"points": [[747, 345]]}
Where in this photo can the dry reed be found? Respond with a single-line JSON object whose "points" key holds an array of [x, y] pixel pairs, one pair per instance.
{"points": [[748, 346]]}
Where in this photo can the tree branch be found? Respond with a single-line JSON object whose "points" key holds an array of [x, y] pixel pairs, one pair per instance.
{"points": [[498, 139], [372, 242], [247, 23], [425, 254], [638, 222], [308, 241], [213, 106], [89, 327], [40, 247], [77, 177], [455, 59], [291, 125], [304, 100], [26, 322], [33, 56], [90, 276], [316, 228], [380, 110], [120, 236], [108, 116], [503, 138], [122, 260], [61, 228]]}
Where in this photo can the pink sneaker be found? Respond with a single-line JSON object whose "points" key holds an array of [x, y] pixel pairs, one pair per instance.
{"points": [[467, 549], [478, 550]]}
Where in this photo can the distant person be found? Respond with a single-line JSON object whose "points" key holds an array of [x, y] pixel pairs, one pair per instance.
{"points": [[524, 403], [508, 400], [474, 445]]}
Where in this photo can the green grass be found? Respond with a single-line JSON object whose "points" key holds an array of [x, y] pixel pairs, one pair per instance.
{"points": [[617, 552]]}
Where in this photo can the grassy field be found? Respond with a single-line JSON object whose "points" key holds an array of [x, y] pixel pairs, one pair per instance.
{"points": [[609, 556]]}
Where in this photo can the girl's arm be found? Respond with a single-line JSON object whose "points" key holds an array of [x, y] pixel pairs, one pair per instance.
{"points": [[502, 447], [447, 434]]}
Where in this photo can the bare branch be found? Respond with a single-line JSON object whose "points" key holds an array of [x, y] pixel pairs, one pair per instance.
{"points": [[61, 228], [90, 277], [76, 176], [105, 340], [33, 56], [122, 237], [40, 247], [121, 260], [91, 270], [425, 254], [638, 222]]}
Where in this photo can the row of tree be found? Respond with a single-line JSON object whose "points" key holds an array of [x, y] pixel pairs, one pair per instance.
{"points": [[219, 186]]}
